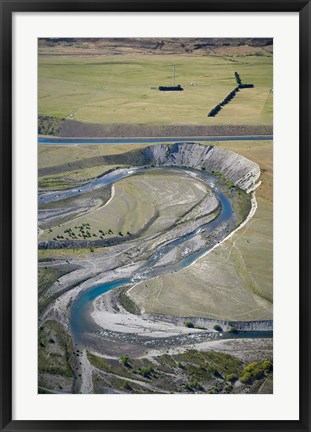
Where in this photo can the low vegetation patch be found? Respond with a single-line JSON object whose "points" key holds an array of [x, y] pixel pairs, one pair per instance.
{"points": [[54, 357], [224, 179], [125, 360], [217, 328], [189, 324], [256, 371], [127, 303], [232, 330], [48, 125], [232, 377], [189, 372], [47, 276]]}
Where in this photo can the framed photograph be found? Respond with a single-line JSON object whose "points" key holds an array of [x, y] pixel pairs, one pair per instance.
{"points": [[155, 216]]}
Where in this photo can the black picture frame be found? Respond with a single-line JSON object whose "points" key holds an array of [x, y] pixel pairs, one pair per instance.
{"points": [[7, 9]]}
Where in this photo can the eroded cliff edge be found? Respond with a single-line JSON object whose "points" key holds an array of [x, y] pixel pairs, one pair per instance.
{"points": [[242, 172]]}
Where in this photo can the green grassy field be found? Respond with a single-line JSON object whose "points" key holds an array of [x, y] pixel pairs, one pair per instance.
{"points": [[123, 89]]}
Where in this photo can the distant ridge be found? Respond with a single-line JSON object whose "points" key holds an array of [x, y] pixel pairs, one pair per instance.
{"points": [[118, 46]]}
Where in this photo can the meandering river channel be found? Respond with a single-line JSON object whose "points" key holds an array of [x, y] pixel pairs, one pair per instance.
{"points": [[221, 225]]}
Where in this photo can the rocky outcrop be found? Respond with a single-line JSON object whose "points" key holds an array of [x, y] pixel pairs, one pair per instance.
{"points": [[242, 172]]}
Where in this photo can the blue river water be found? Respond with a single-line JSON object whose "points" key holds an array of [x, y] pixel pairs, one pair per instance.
{"points": [[82, 305], [81, 321], [74, 141]]}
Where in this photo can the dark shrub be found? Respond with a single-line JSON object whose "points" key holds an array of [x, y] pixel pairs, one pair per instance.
{"points": [[189, 324]]}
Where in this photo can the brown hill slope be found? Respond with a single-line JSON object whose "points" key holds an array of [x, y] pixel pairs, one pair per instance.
{"points": [[117, 46]]}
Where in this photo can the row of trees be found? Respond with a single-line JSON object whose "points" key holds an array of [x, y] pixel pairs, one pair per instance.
{"points": [[242, 86], [239, 82], [230, 96], [227, 99], [237, 78]]}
